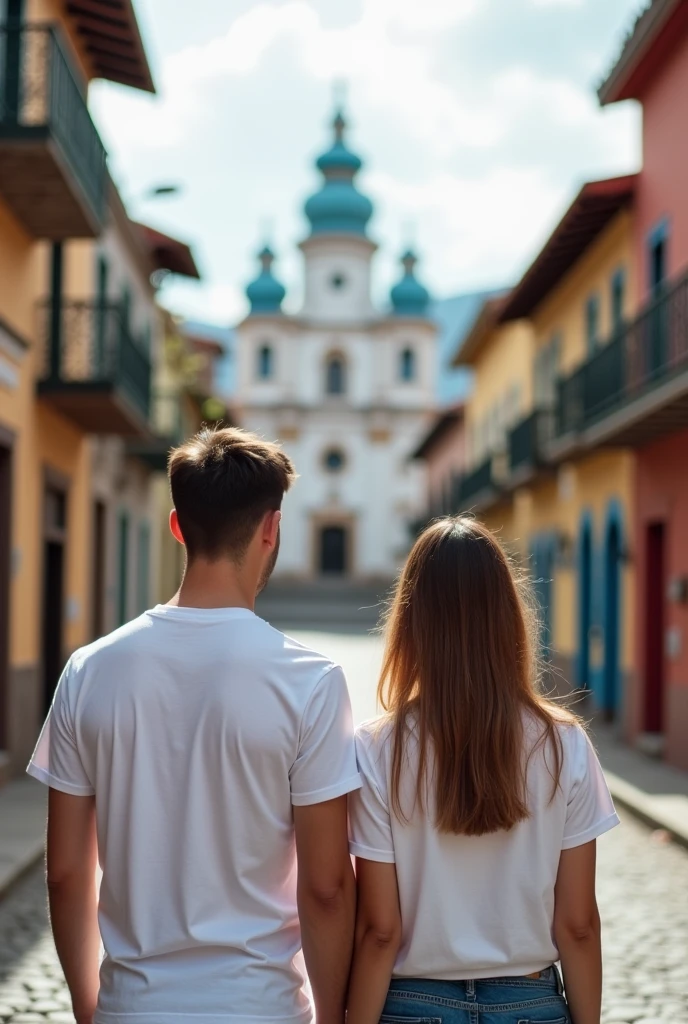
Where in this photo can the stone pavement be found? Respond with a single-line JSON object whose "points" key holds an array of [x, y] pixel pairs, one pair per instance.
{"points": [[643, 876], [643, 893]]}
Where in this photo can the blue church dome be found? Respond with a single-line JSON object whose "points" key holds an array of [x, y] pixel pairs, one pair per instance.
{"points": [[339, 207], [266, 294], [409, 296]]}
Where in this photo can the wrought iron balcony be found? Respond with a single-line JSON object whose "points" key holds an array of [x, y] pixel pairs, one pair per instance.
{"points": [[93, 371], [636, 386], [528, 443], [52, 161], [479, 487], [167, 421]]}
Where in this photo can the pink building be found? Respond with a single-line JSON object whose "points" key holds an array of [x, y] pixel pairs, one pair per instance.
{"points": [[653, 363], [443, 450]]}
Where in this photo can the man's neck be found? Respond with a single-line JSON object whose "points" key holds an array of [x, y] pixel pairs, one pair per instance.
{"points": [[214, 585]]}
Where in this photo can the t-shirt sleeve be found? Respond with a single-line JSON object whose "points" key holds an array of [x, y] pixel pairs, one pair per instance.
{"points": [[590, 809], [56, 761], [325, 766], [370, 829]]}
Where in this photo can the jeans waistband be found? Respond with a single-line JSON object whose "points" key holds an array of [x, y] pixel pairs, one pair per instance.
{"points": [[548, 977]]}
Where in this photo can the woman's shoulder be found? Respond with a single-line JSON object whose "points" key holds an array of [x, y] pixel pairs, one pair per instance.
{"points": [[563, 728], [374, 733]]}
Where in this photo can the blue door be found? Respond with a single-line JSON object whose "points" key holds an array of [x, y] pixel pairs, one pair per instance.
{"points": [[584, 604], [612, 595]]}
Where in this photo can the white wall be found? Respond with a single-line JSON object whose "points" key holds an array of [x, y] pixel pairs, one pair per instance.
{"points": [[326, 258]]}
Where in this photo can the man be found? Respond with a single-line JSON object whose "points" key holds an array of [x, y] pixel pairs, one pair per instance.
{"points": [[205, 759]]}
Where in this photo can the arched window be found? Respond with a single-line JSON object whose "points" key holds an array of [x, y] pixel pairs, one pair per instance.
{"points": [[407, 364], [266, 362], [335, 375]]}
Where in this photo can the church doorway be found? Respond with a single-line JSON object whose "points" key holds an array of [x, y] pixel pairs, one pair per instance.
{"points": [[333, 550]]}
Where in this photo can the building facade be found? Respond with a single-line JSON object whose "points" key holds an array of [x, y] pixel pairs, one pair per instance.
{"points": [[53, 188], [647, 386], [80, 335], [346, 388], [565, 509]]}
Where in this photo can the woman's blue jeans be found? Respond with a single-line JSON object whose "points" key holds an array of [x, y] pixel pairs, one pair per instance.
{"points": [[492, 1001]]}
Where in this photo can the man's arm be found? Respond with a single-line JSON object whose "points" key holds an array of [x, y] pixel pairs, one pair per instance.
{"points": [[577, 933], [72, 861], [327, 903]]}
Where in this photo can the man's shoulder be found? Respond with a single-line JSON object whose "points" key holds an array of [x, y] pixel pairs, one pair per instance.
{"points": [[303, 660], [124, 637]]}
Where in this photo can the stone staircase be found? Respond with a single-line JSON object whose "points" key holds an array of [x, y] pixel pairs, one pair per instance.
{"points": [[333, 605]]}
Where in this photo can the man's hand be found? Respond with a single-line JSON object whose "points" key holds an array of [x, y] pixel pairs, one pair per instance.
{"points": [[72, 860], [327, 903]]}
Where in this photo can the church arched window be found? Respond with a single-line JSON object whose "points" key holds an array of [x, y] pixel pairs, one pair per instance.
{"points": [[335, 375], [266, 362], [407, 364]]}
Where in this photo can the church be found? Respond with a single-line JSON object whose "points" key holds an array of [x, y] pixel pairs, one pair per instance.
{"points": [[348, 389]]}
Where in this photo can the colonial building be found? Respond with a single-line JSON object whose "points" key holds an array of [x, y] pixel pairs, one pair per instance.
{"points": [[347, 388]]}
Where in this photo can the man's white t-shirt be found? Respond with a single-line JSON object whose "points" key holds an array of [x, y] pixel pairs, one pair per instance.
{"points": [[477, 906], [197, 730]]}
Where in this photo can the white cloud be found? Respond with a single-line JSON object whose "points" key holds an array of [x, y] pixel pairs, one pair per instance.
{"points": [[479, 227], [393, 71], [481, 168]]}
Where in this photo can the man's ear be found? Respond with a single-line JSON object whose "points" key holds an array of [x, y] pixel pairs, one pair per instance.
{"points": [[175, 529], [271, 527]]}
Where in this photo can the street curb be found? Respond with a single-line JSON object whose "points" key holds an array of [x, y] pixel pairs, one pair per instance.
{"points": [[659, 812], [14, 873]]}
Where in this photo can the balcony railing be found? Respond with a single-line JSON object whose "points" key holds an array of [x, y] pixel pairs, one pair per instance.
{"points": [[52, 161], [93, 369], [528, 441], [480, 481], [169, 430], [642, 355]]}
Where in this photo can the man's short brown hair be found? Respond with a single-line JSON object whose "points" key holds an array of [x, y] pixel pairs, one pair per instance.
{"points": [[223, 482]]}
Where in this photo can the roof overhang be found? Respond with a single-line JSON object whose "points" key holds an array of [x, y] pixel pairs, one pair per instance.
{"points": [[168, 253], [595, 206], [647, 48], [112, 38], [446, 420]]}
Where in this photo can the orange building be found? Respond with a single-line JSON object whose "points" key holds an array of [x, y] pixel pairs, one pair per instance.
{"points": [[80, 332]]}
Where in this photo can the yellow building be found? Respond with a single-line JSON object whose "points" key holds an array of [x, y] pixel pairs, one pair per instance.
{"points": [[567, 511], [500, 356], [53, 390]]}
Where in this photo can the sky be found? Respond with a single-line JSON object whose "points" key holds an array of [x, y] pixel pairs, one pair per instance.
{"points": [[477, 121]]}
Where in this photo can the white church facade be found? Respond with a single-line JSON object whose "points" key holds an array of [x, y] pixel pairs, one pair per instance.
{"points": [[347, 389]]}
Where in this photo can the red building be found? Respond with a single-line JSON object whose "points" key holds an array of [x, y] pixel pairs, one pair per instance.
{"points": [[650, 411]]}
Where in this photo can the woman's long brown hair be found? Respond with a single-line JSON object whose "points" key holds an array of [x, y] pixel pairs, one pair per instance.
{"points": [[460, 670]]}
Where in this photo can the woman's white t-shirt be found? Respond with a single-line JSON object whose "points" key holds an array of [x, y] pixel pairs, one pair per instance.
{"points": [[478, 907]]}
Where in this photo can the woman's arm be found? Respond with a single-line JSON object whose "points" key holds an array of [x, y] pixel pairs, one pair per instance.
{"points": [[577, 933], [378, 937]]}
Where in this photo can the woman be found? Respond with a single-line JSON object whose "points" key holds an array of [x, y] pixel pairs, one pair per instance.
{"points": [[475, 829]]}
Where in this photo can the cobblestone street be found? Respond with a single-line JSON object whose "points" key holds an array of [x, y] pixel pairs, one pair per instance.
{"points": [[644, 905]]}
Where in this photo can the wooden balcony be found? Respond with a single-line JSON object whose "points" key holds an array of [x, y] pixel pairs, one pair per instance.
{"points": [[93, 371], [528, 442], [52, 162], [635, 388]]}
